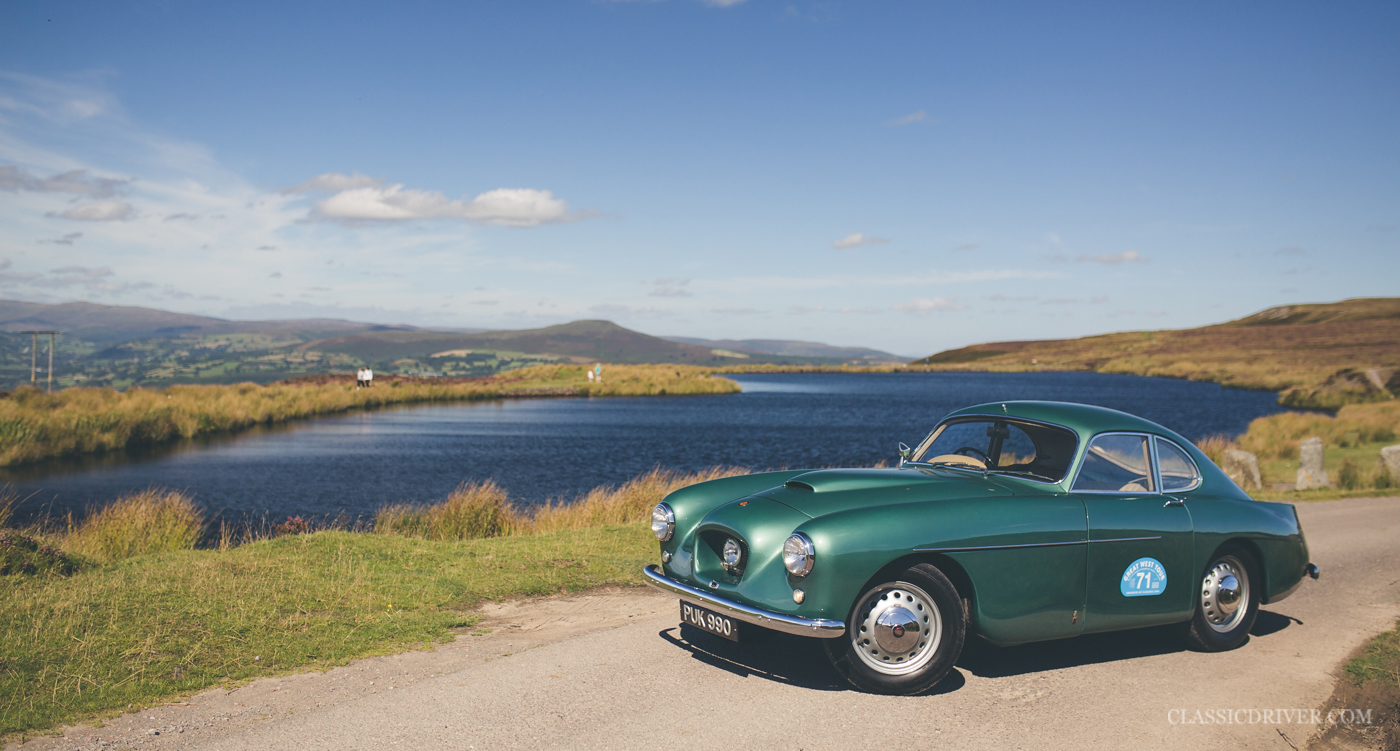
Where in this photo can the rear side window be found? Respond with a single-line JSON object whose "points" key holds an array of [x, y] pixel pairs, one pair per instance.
{"points": [[1178, 472], [1116, 463]]}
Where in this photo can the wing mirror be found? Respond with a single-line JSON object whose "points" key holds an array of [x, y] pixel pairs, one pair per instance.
{"points": [[904, 453]]}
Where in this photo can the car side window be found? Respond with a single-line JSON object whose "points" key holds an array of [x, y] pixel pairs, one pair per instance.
{"points": [[1116, 463], [1177, 470]]}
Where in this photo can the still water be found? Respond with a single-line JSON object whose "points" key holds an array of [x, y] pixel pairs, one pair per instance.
{"points": [[558, 448]]}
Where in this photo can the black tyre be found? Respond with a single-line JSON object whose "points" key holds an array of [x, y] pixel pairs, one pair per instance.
{"points": [[1227, 602], [903, 635]]}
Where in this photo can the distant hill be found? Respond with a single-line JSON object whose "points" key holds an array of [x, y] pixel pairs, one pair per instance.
{"points": [[787, 348], [105, 345], [113, 324], [585, 340], [1318, 354]]}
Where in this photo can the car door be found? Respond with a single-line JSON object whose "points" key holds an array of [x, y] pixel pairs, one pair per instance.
{"points": [[1140, 540]]}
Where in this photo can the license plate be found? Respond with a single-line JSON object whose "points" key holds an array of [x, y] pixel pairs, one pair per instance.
{"points": [[709, 621]]}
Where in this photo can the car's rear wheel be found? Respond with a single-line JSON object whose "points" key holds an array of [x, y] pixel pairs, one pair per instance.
{"points": [[904, 634], [1227, 602]]}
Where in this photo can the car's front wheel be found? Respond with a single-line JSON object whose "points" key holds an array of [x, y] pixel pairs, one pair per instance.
{"points": [[1227, 604], [904, 634]]}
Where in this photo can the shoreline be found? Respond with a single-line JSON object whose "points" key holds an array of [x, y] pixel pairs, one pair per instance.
{"points": [[35, 426]]}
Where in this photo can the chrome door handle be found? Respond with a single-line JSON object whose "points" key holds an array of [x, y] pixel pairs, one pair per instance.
{"points": [[1174, 502]]}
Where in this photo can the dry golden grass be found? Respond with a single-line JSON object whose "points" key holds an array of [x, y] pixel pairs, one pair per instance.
{"points": [[484, 509], [35, 425], [1315, 354], [151, 521], [1279, 435], [474, 510], [8, 500], [1213, 446], [1352, 442]]}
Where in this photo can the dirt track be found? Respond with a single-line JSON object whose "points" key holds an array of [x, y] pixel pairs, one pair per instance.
{"points": [[612, 670]]}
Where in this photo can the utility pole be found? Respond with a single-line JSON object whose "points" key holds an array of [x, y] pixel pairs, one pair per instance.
{"points": [[34, 353]]}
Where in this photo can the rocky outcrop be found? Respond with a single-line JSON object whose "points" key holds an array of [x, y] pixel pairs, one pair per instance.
{"points": [[1243, 468], [1390, 458], [1311, 473], [1346, 386]]}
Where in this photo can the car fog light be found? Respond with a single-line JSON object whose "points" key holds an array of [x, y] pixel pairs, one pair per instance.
{"points": [[798, 596], [732, 556], [663, 522], [799, 554], [665, 556]]}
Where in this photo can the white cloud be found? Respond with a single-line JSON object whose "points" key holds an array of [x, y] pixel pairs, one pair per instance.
{"points": [[911, 118], [509, 207], [78, 182], [102, 211], [1113, 259], [627, 311], [54, 101], [334, 181], [925, 305], [67, 239], [856, 239], [670, 287]]}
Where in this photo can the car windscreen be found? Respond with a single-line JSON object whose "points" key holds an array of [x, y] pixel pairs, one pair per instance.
{"points": [[1041, 452]]}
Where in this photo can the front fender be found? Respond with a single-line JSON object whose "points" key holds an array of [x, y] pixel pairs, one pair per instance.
{"points": [[693, 503], [1024, 558]]}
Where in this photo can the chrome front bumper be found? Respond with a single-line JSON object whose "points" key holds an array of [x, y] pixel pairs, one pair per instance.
{"points": [[788, 624]]}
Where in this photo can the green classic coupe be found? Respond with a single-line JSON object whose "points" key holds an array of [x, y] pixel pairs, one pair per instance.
{"points": [[1015, 521]]}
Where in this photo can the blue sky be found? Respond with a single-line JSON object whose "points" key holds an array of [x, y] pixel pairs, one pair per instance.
{"points": [[909, 176]]}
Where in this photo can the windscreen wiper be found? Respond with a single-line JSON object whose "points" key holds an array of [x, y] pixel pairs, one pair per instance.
{"points": [[1023, 473]]}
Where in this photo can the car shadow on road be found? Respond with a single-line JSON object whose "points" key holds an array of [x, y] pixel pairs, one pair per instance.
{"points": [[989, 661], [794, 660], [799, 661]]}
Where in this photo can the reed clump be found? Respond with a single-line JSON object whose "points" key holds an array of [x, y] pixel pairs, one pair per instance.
{"points": [[1355, 424], [35, 425], [478, 510], [1214, 446], [8, 500], [628, 503], [151, 521], [474, 510]]}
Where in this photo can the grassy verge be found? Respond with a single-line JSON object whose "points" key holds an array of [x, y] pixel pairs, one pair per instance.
{"points": [[140, 615], [1370, 683], [1352, 443], [151, 627], [35, 426]]}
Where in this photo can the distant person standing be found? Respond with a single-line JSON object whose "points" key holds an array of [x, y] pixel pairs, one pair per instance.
{"points": [[590, 376], [369, 377], [360, 378], [598, 372]]}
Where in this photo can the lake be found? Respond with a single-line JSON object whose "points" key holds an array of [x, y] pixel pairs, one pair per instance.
{"points": [[559, 448]]}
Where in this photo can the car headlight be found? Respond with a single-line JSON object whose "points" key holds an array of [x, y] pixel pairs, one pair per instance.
{"points": [[798, 554], [663, 522], [732, 558]]}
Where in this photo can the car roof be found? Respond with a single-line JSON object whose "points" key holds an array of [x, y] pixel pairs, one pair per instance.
{"points": [[1084, 419]]}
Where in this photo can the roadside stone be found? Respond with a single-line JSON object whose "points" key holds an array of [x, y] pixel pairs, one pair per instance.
{"points": [[1311, 473], [1243, 468], [1390, 457]]}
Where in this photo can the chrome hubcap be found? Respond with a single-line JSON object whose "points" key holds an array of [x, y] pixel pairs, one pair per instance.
{"points": [[898, 629], [1225, 594]]}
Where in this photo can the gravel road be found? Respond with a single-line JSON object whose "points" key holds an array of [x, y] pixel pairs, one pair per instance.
{"points": [[611, 670]]}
